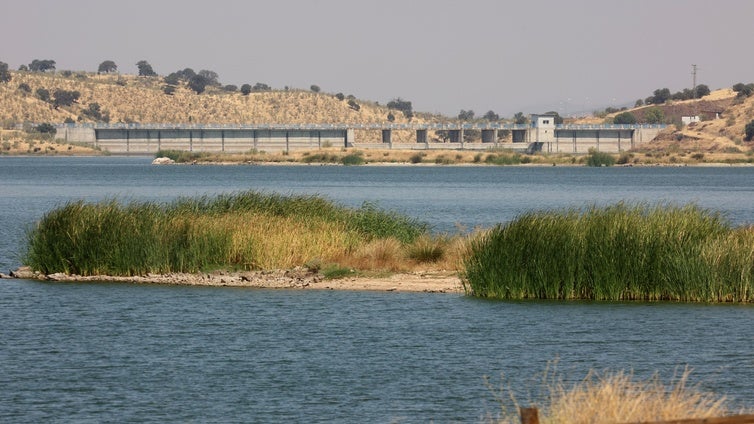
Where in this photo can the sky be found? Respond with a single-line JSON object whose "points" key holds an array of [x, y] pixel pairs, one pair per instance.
{"points": [[568, 56]]}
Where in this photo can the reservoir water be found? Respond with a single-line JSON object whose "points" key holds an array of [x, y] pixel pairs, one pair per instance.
{"points": [[143, 353]]}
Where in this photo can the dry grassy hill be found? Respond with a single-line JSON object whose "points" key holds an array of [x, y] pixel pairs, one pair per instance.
{"points": [[718, 137], [128, 99]]}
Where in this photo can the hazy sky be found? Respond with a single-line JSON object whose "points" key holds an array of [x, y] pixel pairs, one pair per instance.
{"points": [[530, 56]]}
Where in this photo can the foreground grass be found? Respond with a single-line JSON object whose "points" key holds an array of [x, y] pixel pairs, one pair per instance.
{"points": [[619, 252], [617, 397], [246, 230]]}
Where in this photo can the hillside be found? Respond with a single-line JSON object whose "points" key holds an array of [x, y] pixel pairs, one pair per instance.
{"points": [[132, 99], [719, 137]]}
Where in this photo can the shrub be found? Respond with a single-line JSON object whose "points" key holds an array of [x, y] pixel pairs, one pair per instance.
{"points": [[654, 115], [45, 128], [624, 118], [749, 131], [65, 98], [353, 159], [597, 158], [503, 159], [624, 158], [416, 158], [43, 94]]}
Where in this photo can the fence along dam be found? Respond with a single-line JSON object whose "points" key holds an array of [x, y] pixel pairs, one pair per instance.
{"points": [[541, 135]]}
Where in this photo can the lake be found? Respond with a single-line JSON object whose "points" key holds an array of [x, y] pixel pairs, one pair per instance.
{"points": [[146, 353]]}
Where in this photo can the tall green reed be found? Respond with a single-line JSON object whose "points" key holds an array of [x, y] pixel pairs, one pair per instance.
{"points": [[618, 252]]}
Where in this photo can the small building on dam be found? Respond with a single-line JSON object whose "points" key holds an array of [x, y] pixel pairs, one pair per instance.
{"points": [[541, 135]]}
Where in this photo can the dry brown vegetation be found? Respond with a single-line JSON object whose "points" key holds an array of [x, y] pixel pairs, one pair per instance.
{"points": [[617, 397]]}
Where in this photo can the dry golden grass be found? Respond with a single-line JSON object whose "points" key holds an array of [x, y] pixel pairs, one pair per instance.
{"points": [[129, 98], [296, 242], [618, 397]]}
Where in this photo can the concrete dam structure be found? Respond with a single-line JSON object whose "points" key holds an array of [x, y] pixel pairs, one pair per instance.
{"points": [[542, 135]]}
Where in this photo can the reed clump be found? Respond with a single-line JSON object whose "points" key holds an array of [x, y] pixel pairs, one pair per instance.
{"points": [[247, 230], [618, 252]]}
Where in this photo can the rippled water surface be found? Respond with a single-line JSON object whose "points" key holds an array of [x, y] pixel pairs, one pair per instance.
{"points": [[135, 353]]}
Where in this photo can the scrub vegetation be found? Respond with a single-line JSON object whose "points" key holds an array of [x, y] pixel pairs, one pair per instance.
{"points": [[619, 252]]}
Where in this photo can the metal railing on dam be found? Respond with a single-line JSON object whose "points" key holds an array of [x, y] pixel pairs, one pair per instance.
{"points": [[369, 126]]}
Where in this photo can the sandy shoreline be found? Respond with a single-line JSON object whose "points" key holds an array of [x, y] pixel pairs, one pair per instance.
{"points": [[302, 279]]}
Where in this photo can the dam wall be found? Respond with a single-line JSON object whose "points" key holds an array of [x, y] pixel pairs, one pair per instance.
{"points": [[141, 139]]}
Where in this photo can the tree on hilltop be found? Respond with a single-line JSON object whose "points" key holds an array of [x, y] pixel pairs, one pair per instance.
{"points": [[198, 83], [107, 67], [260, 87], [743, 90], [246, 89], [660, 96], [4, 72], [491, 116], [466, 115], [702, 90], [400, 104], [45, 65], [186, 74], [172, 79], [145, 69], [210, 76], [315, 88]]}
